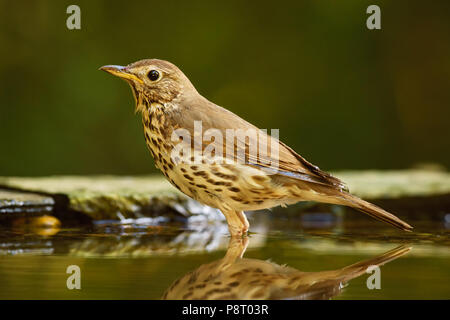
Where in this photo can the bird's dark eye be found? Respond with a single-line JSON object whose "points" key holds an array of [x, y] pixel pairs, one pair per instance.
{"points": [[153, 75]]}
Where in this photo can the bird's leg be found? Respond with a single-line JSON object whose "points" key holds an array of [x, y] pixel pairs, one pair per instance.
{"points": [[237, 222]]}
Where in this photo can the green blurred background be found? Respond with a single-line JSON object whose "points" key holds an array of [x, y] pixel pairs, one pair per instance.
{"points": [[343, 96]]}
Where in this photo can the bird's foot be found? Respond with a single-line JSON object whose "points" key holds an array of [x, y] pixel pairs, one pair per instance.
{"points": [[237, 223]]}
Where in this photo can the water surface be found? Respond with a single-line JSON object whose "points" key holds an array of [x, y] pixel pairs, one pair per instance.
{"points": [[308, 259]]}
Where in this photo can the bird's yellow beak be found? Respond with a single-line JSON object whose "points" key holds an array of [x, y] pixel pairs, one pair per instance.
{"points": [[121, 72]]}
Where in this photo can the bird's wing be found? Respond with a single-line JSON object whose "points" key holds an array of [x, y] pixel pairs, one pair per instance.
{"points": [[315, 170], [284, 161]]}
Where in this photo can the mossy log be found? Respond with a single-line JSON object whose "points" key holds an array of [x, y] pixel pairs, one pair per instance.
{"points": [[112, 197]]}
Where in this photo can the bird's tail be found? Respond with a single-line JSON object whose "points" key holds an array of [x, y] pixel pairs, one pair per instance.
{"points": [[374, 211]]}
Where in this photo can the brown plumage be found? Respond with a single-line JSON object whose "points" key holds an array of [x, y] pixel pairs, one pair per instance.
{"points": [[238, 178], [234, 277]]}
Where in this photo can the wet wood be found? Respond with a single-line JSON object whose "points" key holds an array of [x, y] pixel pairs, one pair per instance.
{"points": [[12, 202], [118, 197]]}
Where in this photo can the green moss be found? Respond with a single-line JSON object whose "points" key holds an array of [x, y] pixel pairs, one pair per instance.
{"points": [[110, 197]]}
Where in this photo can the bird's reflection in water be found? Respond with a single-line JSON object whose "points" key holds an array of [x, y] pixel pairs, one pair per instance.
{"points": [[238, 278]]}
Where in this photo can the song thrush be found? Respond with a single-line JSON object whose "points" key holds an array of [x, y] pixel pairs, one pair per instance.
{"points": [[239, 178], [234, 277]]}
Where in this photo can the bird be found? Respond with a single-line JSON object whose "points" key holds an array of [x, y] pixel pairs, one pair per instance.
{"points": [[236, 278], [184, 133]]}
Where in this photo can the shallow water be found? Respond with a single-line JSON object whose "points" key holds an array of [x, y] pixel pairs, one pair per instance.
{"points": [[141, 259]]}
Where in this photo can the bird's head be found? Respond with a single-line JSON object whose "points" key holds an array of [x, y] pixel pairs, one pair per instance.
{"points": [[152, 81]]}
